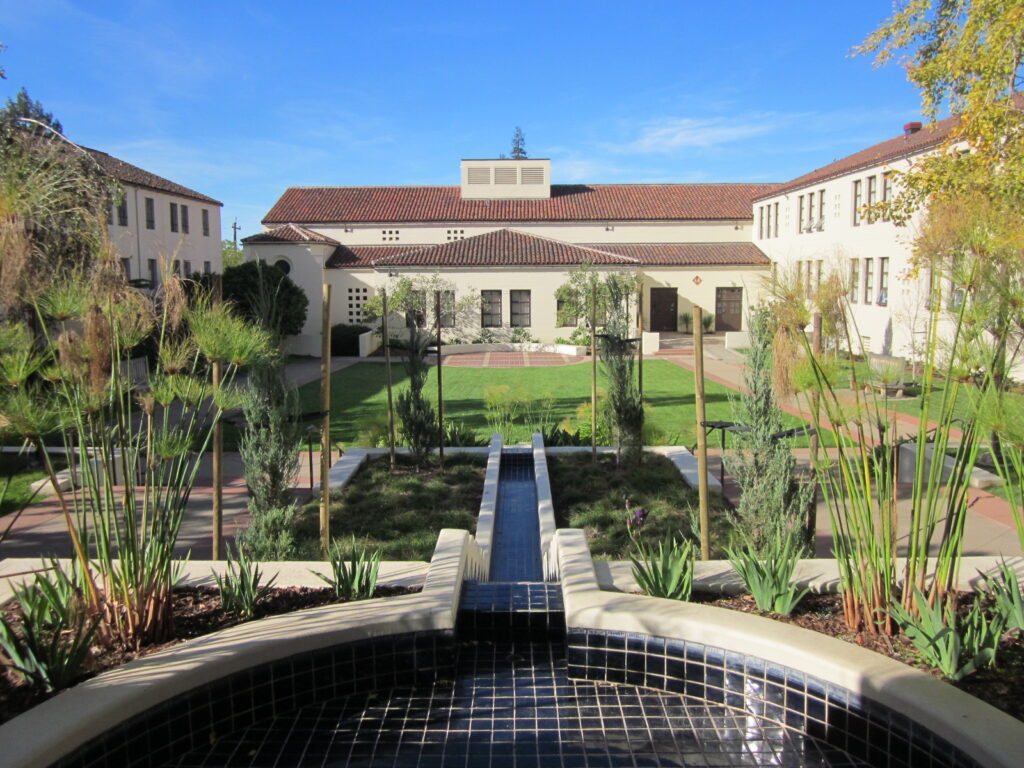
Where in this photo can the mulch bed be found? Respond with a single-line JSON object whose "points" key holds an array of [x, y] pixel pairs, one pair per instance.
{"points": [[1002, 686], [197, 612]]}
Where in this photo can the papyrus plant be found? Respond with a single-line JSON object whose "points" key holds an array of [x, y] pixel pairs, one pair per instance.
{"points": [[135, 449]]}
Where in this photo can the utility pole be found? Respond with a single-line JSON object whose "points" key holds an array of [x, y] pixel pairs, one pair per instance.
{"points": [[235, 229], [702, 438]]}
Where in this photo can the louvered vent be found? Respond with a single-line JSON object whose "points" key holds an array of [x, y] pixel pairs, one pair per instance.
{"points": [[478, 175], [532, 175], [505, 176]]}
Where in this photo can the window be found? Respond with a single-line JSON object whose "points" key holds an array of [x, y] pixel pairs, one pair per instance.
{"points": [[490, 309], [284, 265], [188, 269], [821, 209], [154, 272], [857, 200], [811, 209], [883, 282], [447, 309], [174, 217], [126, 265], [416, 314], [389, 235], [176, 267], [519, 303], [819, 267], [760, 223], [356, 301], [807, 280], [564, 319], [455, 234], [886, 191], [207, 268], [110, 212], [206, 223], [854, 280], [872, 192], [869, 280], [122, 212], [184, 219], [774, 229], [800, 215], [150, 213]]}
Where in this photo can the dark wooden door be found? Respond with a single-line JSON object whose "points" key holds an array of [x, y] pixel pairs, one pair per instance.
{"points": [[664, 309], [728, 309]]}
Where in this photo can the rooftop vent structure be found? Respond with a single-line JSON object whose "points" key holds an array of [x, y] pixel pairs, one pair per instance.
{"points": [[911, 128], [506, 179]]}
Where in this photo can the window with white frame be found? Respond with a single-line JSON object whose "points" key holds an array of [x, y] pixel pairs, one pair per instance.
{"points": [[883, 282], [869, 281], [886, 192], [858, 200], [872, 197]]}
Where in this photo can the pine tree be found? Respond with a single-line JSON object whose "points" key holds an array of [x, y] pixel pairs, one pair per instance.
{"points": [[518, 145], [23, 105]]}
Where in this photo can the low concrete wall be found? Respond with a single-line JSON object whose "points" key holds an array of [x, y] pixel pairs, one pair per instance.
{"points": [[467, 349], [980, 478], [737, 339], [58, 726], [991, 737], [489, 503], [545, 506], [369, 343]]}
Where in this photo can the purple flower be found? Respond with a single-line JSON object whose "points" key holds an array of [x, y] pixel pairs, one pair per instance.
{"points": [[636, 522]]}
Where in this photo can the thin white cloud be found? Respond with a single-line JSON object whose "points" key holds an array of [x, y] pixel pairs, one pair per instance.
{"points": [[675, 133]]}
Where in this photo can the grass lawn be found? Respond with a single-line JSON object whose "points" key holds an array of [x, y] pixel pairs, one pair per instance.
{"points": [[401, 513], [358, 392], [591, 497], [17, 473]]}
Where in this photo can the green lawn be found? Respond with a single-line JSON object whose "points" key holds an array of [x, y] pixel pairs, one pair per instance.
{"points": [[17, 473], [358, 392]]}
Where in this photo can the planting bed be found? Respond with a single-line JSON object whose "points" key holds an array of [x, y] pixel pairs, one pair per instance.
{"points": [[592, 497], [1002, 686], [402, 512]]}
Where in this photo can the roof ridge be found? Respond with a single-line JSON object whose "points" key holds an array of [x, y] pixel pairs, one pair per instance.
{"points": [[581, 246]]}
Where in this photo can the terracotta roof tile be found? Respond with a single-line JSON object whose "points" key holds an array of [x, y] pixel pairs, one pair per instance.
{"points": [[289, 233], [502, 248], [568, 202], [690, 254], [132, 174], [506, 247], [891, 149]]}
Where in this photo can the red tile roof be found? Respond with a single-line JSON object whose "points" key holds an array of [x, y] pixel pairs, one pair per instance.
{"points": [[289, 233], [690, 254], [891, 149], [502, 248], [568, 202], [505, 247], [132, 174]]}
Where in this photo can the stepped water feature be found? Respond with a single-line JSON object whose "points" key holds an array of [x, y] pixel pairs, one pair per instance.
{"points": [[491, 665]]}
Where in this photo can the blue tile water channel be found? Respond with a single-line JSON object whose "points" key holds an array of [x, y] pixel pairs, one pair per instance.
{"points": [[515, 550]]}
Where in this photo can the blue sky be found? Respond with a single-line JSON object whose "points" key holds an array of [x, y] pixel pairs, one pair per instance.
{"points": [[240, 100]]}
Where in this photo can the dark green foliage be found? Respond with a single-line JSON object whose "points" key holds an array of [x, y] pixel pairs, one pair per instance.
{"points": [[242, 586], [625, 406], [768, 574], [518, 145], [270, 447], [400, 513], [414, 410], [592, 497], [665, 571], [345, 339], [353, 570], [23, 105], [773, 501], [456, 433], [264, 294]]}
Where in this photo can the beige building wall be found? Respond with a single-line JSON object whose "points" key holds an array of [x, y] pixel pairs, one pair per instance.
{"points": [[142, 248], [887, 321]]}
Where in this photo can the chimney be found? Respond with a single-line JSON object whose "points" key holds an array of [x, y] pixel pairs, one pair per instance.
{"points": [[911, 128]]}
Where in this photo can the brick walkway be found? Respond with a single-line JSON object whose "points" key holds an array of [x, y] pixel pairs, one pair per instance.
{"points": [[512, 360]]}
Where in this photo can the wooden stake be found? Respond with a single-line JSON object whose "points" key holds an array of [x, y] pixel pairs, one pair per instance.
{"points": [[702, 437], [218, 450], [440, 391], [640, 347], [325, 424], [593, 373], [812, 510], [387, 378]]}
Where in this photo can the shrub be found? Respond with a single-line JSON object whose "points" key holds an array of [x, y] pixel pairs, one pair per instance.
{"points": [[345, 339], [768, 574], [665, 572], [419, 421], [456, 433], [686, 320], [354, 571], [240, 587], [1004, 594], [270, 536], [262, 293]]}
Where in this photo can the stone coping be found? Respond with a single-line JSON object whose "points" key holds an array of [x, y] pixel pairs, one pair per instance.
{"points": [[199, 573], [489, 502], [545, 505], [989, 736], [95, 706], [819, 575]]}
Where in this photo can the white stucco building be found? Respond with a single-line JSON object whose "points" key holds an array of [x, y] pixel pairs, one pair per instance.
{"points": [[507, 235], [158, 221], [815, 223]]}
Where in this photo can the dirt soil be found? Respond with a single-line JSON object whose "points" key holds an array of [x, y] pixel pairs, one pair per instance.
{"points": [[197, 611], [1002, 686]]}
